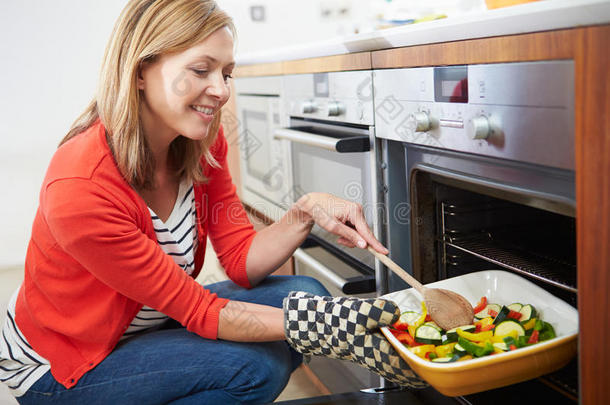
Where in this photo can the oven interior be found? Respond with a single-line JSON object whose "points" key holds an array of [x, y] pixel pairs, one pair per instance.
{"points": [[460, 227]]}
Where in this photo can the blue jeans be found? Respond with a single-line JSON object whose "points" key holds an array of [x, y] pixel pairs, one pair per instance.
{"points": [[175, 366]]}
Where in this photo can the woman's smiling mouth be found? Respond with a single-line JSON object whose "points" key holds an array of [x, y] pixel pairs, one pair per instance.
{"points": [[206, 113]]}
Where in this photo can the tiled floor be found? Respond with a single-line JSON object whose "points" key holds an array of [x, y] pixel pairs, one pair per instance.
{"points": [[299, 385]]}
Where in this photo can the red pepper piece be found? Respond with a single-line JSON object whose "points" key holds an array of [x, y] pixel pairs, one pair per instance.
{"points": [[514, 315], [512, 347], [405, 337], [400, 325], [428, 318], [481, 305], [534, 337], [492, 313], [487, 327], [477, 327]]}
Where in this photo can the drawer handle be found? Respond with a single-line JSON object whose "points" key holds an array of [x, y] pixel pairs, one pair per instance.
{"points": [[353, 285], [357, 143]]}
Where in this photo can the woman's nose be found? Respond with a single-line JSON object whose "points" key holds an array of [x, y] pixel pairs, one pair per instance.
{"points": [[218, 87]]}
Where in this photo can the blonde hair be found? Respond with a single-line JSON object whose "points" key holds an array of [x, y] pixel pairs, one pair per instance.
{"points": [[146, 29]]}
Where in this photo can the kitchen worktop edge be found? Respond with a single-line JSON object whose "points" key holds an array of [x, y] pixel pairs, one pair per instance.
{"points": [[531, 17]]}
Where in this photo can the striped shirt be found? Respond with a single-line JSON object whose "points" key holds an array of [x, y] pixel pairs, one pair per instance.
{"points": [[21, 366], [178, 238]]}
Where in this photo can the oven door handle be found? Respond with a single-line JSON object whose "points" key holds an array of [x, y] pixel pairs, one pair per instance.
{"points": [[357, 143], [352, 285]]}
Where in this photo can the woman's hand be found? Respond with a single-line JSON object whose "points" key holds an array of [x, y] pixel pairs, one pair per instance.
{"points": [[347, 328], [340, 217]]}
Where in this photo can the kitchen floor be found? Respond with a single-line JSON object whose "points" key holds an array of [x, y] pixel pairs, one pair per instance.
{"points": [[299, 386]]}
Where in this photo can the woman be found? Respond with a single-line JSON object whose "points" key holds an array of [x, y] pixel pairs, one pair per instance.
{"points": [[109, 310]]}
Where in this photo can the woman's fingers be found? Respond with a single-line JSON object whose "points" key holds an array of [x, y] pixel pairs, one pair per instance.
{"points": [[357, 218], [332, 213], [345, 242], [333, 225]]}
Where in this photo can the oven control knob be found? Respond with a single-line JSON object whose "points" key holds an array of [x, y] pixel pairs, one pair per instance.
{"points": [[308, 107], [419, 122], [479, 127], [335, 109]]}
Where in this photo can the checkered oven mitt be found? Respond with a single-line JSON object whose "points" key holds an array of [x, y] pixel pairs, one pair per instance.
{"points": [[347, 329]]}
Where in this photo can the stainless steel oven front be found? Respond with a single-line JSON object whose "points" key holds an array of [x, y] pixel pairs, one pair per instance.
{"points": [[333, 150], [480, 166], [264, 164]]}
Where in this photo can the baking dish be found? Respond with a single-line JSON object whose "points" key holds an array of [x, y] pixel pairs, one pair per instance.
{"points": [[485, 373]]}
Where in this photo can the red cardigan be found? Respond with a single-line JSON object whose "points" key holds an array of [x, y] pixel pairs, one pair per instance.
{"points": [[93, 259]]}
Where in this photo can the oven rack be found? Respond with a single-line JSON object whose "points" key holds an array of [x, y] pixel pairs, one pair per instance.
{"points": [[546, 269], [564, 380]]}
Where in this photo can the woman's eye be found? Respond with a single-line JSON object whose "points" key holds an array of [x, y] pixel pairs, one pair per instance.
{"points": [[227, 77], [199, 72]]}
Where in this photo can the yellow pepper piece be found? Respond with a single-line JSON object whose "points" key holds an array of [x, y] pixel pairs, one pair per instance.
{"points": [[498, 350], [475, 337], [529, 324], [466, 357], [445, 350], [419, 321], [485, 321], [421, 351], [500, 339]]}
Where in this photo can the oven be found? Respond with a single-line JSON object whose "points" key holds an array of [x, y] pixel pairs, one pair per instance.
{"points": [[479, 174], [333, 150], [264, 164]]}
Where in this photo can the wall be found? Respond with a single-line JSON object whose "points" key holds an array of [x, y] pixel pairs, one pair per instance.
{"points": [[51, 53], [290, 22]]}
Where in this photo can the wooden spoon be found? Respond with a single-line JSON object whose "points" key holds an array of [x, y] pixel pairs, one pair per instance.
{"points": [[447, 308]]}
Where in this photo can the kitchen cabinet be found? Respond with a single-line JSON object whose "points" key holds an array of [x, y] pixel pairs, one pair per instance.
{"points": [[588, 48], [231, 125]]}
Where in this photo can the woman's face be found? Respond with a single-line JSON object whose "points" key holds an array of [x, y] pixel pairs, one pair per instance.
{"points": [[182, 92]]}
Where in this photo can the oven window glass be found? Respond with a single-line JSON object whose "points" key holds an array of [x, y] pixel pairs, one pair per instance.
{"points": [[345, 175], [255, 147]]}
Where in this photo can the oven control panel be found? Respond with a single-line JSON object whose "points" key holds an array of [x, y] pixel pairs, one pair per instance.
{"points": [[518, 111], [337, 96]]}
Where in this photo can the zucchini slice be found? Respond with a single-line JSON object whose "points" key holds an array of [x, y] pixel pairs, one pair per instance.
{"points": [[527, 312], [452, 335], [502, 315], [434, 325], [505, 327], [428, 335], [515, 307], [444, 360], [409, 317], [502, 346], [485, 313], [457, 349]]}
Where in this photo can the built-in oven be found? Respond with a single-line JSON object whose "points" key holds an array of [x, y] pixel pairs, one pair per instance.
{"points": [[333, 150], [479, 174], [264, 164]]}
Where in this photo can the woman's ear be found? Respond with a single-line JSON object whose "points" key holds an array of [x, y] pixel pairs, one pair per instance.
{"points": [[140, 78]]}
